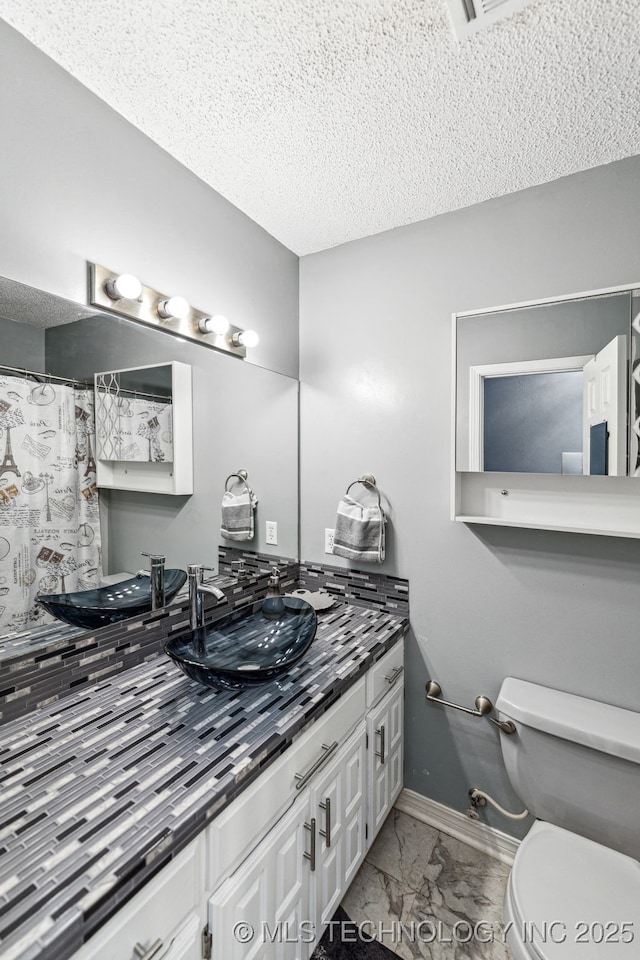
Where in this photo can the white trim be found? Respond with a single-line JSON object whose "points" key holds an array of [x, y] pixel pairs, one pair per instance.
{"points": [[455, 477], [482, 837], [514, 368], [584, 295]]}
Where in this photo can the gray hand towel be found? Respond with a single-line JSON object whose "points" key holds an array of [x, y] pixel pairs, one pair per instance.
{"points": [[237, 514], [359, 533]]}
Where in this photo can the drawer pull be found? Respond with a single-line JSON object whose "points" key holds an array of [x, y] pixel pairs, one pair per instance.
{"points": [[303, 778], [312, 855], [144, 953], [380, 732], [326, 833], [393, 676]]}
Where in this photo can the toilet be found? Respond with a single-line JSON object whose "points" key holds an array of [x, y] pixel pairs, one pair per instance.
{"points": [[574, 889]]}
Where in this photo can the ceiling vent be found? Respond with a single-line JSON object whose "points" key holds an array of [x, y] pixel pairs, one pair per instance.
{"points": [[470, 16]]}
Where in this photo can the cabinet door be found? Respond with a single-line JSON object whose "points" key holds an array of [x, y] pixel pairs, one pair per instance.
{"points": [[266, 901], [384, 727], [338, 803], [166, 917], [187, 943]]}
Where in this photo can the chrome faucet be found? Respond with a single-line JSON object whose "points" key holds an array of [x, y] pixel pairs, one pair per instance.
{"points": [[196, 589], [157, 561]]}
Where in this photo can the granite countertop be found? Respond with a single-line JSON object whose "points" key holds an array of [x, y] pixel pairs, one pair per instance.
{"points": [[100, 790]]}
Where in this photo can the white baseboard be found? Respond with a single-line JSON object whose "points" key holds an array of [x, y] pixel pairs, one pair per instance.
{"points": [[479, 835]]}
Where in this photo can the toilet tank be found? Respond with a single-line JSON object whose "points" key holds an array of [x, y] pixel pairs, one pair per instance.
{"points": [[574, 762]]}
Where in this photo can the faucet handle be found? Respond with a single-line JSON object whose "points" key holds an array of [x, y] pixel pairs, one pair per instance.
{"points": [[153, 556], [199, 568]]}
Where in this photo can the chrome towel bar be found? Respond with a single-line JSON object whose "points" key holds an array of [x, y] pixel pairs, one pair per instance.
{"points": [[483, 706]]}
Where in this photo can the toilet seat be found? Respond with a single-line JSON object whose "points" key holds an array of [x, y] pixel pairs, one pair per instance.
{"points": [[577, 893]]}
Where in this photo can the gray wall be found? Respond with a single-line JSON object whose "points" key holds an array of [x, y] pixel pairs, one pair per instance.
{"points": [[80, 183], [558, 609], [243, 416], [22, 345]]}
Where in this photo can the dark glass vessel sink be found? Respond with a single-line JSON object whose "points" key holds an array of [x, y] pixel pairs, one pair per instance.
{"points": [[118, 601], [247, 647]]}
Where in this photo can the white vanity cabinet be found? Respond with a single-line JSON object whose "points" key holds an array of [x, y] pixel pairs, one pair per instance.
{"points": [[287, 889], [295, 877], [267, 874]]}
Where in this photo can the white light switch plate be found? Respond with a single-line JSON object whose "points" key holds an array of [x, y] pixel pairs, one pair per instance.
{"points": [[328, 539]]}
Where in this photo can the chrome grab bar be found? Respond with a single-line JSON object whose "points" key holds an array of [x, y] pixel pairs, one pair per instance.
{"points": [[303, 778], [483, 706]]}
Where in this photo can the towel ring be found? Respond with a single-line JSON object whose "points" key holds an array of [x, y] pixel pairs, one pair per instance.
{"points": [[367, 480], [241, 475]]}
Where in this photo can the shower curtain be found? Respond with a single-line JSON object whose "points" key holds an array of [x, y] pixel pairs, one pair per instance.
{"points": [[49, 514]]}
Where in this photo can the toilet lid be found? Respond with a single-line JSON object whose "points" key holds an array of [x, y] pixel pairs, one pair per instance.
{"points": [[582, 897]]}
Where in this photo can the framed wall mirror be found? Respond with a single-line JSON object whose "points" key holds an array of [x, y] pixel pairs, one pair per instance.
{"points": [[243, 416], [547, 413]]}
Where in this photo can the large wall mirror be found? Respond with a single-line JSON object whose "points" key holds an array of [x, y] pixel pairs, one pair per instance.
{"points": [[549, 388], [244, 416]]}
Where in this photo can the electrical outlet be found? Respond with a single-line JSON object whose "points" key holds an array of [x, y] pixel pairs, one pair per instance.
{"points": [[271, 532], [328, 539]]}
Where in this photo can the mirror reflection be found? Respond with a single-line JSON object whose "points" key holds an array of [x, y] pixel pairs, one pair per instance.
{"points": [[59, 531], [134, 415], [544, 389]]}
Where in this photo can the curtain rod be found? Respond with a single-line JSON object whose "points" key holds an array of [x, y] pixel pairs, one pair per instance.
{"points": [[45, 376], [81, 383]]}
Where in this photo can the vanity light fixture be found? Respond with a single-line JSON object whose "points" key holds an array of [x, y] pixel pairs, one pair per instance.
{"points": [[245, 338], [125, 295], [216, 324], [123, 287], [174, 308]]}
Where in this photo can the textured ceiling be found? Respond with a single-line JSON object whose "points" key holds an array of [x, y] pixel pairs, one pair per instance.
{"points": [[329, 120]]}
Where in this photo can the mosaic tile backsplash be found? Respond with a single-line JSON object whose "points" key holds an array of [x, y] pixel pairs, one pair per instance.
{"points": [[36, 672], [102, 789], [359, 587]]}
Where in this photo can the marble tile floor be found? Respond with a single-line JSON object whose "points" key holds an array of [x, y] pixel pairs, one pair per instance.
{"points": [[424, 894]]}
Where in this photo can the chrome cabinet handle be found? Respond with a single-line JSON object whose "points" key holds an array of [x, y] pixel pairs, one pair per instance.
{"points": [[303, 778], [312, 855], [144, 953], [326, 833], [393, 676], [380, 732]]}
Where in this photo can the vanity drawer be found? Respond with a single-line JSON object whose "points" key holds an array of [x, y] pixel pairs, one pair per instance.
{"points": [[234, 833], [167, 909], [385, 674]]}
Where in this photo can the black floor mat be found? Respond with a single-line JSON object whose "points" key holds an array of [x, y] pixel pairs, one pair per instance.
{"points": [[344, 943]]}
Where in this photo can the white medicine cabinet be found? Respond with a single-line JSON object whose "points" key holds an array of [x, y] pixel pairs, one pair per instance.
{"points": [[144, 428], [546, 414]]}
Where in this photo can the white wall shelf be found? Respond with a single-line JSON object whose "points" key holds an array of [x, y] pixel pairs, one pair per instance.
{"points": [[599, 505]]}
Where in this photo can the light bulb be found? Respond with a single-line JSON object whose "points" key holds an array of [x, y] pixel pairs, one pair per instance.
{"points": [[123, 287], [175, 308], [246, 338], [216, 324]]}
